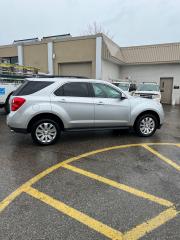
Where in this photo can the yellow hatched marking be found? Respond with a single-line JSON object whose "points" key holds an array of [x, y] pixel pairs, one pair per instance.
{"points": [[18, 191], [120, 186], [165, 159], [150, 225], [33, 180], [77, 215], [27, 185]]}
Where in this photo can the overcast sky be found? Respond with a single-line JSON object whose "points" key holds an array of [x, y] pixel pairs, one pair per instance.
{"points": [[131, 22]]}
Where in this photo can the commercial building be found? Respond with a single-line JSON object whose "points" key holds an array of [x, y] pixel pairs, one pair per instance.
{"points": [[97, 56]]}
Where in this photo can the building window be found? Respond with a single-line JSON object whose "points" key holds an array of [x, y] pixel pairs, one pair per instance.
{"points": [[12, 60]]}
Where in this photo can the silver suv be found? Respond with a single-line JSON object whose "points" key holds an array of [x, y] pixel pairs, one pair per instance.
{"points": [[46, 106]]}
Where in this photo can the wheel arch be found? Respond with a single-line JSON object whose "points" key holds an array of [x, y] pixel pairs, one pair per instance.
{"points": [[8, 97], [7, 104], [43, 116], [148, 112]]}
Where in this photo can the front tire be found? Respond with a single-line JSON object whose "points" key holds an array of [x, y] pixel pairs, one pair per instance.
{"points": [[45, 132], [146, 125]]}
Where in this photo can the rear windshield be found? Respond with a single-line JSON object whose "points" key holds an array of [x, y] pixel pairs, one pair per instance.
{"points": [[30, 87]]}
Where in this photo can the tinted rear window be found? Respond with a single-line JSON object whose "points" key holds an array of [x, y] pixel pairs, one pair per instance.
{"points": [[74, 89], [30, 87]]}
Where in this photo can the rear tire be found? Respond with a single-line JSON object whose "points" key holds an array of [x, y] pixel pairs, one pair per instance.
{"points": [[45, 132], [146, 125]]}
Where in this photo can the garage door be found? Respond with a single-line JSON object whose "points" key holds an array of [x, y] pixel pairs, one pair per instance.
{"points": [[83, 69]]}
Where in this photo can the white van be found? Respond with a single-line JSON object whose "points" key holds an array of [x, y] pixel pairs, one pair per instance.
{"points": [[11, 77], [7, 86]]}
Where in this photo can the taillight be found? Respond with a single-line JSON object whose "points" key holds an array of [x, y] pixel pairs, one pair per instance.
{"points": [[17, 102]]}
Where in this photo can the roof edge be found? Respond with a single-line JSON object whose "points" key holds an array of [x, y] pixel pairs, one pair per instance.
{"points": [[151, 45], [57, 40]]}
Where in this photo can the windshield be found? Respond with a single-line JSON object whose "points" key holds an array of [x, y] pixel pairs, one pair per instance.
{"points": [[123, 86], [148, 87]]}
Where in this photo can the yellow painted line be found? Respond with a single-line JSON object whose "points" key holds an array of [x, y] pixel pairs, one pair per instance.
{"points": [[10, 198], [75, 214], [178, 145], [4, 203], [150, 225], [164, 144], [120, 186], [165, 159], [33, 180]]}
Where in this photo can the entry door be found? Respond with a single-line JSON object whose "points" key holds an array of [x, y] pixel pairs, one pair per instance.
{"points": [[166, 85], [110, 109]]}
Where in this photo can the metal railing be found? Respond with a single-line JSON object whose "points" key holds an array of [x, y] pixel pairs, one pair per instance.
{"points": [[14, 70]]}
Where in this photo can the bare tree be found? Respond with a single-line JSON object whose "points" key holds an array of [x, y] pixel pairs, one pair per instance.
{"points": [[96, 28]]}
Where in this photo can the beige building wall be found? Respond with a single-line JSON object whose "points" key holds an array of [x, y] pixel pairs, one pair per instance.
{"points": [[36, 55], [75, 51], [10, 51]]}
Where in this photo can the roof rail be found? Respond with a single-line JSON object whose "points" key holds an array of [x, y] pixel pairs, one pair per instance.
{"points": [[58, 76], [13, 76], [37, 76], [150, 82]]}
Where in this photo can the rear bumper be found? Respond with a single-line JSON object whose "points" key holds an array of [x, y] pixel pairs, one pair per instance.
{"points": [[18, 130]]}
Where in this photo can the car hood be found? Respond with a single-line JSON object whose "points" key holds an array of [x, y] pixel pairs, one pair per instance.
{"points": [[135, 100], [148, 92]]}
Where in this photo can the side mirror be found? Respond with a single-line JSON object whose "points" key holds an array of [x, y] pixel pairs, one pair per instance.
{"points": [[123, 96]]}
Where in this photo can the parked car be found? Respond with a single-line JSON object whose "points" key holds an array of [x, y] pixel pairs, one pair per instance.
{"points": [[149, 90], [45, 107], [127, 87], [7, 87]]}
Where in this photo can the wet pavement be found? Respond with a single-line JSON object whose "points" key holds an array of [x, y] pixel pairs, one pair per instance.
{"points": [[126, 192]]}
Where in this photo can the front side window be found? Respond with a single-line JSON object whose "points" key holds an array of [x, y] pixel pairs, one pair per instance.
{"points": [[104, 91], [73, 89]]}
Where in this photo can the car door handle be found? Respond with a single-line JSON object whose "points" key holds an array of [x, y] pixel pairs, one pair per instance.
{"points": [[100, 103], [62, 100]]}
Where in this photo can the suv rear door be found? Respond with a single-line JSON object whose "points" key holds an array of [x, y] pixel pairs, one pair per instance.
{"points": [[75, 101], [110, 109]]}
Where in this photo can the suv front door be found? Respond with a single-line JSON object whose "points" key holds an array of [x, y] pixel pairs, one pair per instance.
{"points": [[110, 109], [76, 103]]}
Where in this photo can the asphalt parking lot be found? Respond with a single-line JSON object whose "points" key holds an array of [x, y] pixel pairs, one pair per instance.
{"points": [[100, 185]]}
